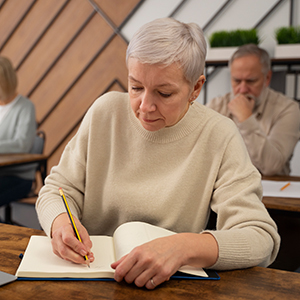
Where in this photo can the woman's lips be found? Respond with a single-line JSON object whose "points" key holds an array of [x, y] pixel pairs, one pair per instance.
{"points": [[149, 121]]}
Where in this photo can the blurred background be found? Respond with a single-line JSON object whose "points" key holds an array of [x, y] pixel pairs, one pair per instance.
{"points": [[69, 52]]}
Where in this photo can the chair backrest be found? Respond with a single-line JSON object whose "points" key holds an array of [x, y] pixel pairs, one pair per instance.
{"points": [[39, 143], [37, 148]]}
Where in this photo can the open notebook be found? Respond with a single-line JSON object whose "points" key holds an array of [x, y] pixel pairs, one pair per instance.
{"points": [[39, 262]]}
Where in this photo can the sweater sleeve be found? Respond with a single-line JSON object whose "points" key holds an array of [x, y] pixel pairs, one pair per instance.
{"points": [[246, 234], [73, 169], [70, 175]]}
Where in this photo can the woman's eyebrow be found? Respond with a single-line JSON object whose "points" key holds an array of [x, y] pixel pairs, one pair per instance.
{"points": [[133, 79], [160, 85]]}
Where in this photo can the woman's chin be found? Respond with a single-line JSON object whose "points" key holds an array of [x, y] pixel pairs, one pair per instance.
{"points": [[152, 126]]}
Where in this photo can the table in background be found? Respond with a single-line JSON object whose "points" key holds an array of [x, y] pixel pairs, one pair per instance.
{"points": [[15, 159], [253, 283], [284, 204], [286, 213]]}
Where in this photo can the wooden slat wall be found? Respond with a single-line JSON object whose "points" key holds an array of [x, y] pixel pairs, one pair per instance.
{"points": [[66, 55]]}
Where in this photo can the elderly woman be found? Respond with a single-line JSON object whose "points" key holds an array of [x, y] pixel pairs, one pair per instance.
{"points": [[17, 132], [155, 155]]}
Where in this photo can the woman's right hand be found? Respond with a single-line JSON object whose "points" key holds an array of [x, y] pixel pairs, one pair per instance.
{"points": [[66, 245]]}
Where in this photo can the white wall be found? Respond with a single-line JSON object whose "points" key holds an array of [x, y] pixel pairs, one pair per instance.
{"points": [[239, 14]]}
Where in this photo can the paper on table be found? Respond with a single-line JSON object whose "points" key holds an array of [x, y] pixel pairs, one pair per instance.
{"points": [[272, 189]]}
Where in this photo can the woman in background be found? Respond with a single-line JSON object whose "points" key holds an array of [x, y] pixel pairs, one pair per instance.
{"points": [[156, 155], [17, 132]]}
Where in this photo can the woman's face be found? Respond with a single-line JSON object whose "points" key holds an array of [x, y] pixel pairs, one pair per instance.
{"points": [[159, 95]]}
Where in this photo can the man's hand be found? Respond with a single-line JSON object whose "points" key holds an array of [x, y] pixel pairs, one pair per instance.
{"points": [[241, 107]]}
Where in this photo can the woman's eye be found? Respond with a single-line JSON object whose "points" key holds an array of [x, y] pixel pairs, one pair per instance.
{"points": [[135, 88], [165, 95]]}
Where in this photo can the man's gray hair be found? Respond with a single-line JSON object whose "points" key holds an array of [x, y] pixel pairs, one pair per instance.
{"points": [[167, 41], [252, 49]]}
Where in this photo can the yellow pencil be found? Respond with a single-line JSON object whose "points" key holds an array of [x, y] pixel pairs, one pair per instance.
{"points": [[72, 221], [285, 186]]}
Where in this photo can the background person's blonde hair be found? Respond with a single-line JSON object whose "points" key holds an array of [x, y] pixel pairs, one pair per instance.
{"points": [[8, 78], [166, 41]]}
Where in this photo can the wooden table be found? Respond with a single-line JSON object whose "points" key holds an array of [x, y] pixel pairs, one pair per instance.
{"points": [[284, 204], [286, 213], [253, 283], [23, 159]]}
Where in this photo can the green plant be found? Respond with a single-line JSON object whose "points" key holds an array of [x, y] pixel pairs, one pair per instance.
{"points": [[288, 35], [234, 38]]}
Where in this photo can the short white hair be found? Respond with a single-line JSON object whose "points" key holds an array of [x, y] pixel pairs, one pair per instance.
{"points": [[167, 41]]}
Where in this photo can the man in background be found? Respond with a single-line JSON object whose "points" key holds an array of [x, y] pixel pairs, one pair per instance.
{"points": [[268, 121]]}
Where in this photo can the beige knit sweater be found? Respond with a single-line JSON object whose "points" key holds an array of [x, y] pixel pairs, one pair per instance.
{"points": [[114, 171]]}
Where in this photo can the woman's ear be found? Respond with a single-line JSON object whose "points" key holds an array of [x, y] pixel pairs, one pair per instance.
{"points": [[197, 88]]}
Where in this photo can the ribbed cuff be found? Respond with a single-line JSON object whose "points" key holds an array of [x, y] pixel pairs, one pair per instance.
{"points": [[234, 250]]}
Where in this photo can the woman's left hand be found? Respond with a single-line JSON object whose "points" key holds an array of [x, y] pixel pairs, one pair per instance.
{"points": [[154, 262]]}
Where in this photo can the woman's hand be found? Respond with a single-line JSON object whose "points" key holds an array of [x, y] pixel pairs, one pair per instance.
{"points": [[154, 262], [66, 245]]}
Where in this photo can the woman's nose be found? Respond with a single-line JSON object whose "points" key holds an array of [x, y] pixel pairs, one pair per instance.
{"points": [[147, 103]]}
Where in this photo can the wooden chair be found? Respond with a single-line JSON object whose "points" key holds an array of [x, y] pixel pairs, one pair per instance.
{"points": [[30, 199]]}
